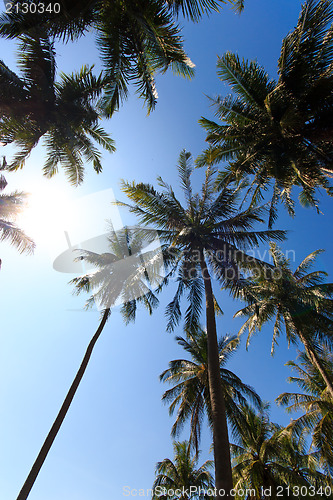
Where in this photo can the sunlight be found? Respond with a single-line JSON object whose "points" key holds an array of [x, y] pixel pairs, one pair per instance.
{"points": [[47, 214]]}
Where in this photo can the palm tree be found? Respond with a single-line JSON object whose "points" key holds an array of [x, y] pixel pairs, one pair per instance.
{"points": [[254, 453], [280, 131], [180, 479], [202, 238], [64, 113], [317, 403], [300, 467], [267, 459], [298, 300], [190, 391], [120, 276], [136, 39], [10, 207]]}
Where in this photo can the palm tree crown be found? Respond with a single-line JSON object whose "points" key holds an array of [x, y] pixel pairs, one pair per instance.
{"points": [[64, 113], [317, 403], [281, 130], [298, 300], [266, 457], [190, 392], [182, 474], [254, 450], [122, 275], [208, 223]]}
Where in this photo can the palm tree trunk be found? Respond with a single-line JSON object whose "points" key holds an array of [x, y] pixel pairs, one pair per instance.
{"points": [[26, 488], [315, 360], [223, 474]]}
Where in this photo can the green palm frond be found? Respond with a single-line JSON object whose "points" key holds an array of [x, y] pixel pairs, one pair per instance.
{"points": [[101, 137], [73, 23], [299, 301], [82, 86], [312, 35], [185, 169], [173, 309], [195, 9], [189, 379], [135, 42], [209, 220], [195, 300], [182, 472], [248, 80], [267, 454], [12, 89], [306, 264], [316, 405], [36, 61], [279, 134], [21, 156], [63, 113], [206, 235]]}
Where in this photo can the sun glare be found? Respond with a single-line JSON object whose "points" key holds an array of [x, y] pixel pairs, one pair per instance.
{"points": [[46, 214]]}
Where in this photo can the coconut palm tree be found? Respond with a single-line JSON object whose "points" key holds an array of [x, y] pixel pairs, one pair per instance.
{"points": [[300, 301], [317, 403], [190, 391], [64, 113], [280, 131], [135, 38], [119, 276], [300, 467], [10, 207], [254, 453], [204, 237], [267, 460], [180, 479]]}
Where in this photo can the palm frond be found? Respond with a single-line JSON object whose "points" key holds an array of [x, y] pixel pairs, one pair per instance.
{"points": [[247, 79], [10, 232]]}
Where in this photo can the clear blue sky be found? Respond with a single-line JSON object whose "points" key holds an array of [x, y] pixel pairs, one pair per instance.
{"points": [[117, 428]]}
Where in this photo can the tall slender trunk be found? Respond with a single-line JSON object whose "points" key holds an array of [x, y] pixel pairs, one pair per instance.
{"points": [[29, 482], [223, 474], [315, 360]]}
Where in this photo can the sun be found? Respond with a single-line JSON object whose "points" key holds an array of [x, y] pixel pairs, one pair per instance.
{"points": [[46, 214]]}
